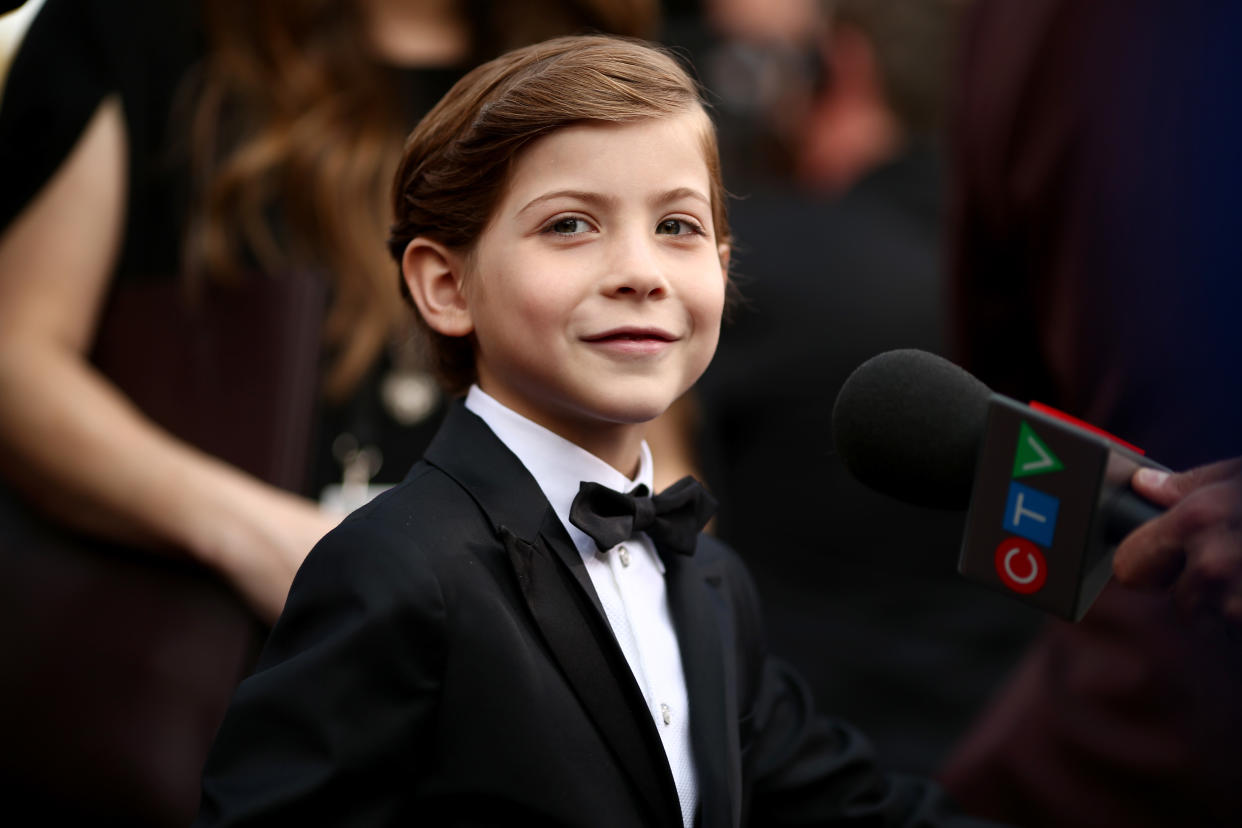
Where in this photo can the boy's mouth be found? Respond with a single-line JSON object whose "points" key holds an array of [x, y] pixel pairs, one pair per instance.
{"points": [[631, 335]]}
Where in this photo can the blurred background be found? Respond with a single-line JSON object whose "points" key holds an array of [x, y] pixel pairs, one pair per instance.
{"points": [[204, 360]]}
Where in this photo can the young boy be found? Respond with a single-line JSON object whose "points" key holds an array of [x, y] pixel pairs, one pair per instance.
{"points": [[499, 640]]}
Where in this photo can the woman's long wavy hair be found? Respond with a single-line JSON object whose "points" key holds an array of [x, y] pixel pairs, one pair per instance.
{"points": [[294, 136]]}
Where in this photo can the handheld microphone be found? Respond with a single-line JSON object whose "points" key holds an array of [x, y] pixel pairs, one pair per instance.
{"points": [[1047, 496]]}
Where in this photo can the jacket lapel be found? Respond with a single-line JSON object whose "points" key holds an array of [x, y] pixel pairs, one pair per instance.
{"points": [[588, 655], [562, 602], [704, 625]]}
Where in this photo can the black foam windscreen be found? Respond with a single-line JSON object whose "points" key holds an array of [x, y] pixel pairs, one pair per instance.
{"points": [[909, 424]]}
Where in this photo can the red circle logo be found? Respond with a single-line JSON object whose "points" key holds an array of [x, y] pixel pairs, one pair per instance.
{"points": [[1021, 565]]}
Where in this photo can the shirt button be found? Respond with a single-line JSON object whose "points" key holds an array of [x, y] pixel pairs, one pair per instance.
{"points": [[625, 555], [666, 714]]}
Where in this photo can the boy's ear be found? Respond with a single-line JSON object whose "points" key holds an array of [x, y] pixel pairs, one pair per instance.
{"points": [[433, 273]]}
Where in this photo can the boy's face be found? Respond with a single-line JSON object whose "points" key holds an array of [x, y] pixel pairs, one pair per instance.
{"points": [[597, 289]]}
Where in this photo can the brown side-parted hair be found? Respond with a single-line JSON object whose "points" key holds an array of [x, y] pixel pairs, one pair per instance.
{"points": [[295, 130], [457, 161]]}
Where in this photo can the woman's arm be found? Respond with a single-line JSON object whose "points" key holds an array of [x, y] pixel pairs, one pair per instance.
{"points": [[72, 443]]}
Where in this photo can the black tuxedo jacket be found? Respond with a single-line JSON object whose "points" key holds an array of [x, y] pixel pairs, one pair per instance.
{"points": [[443, 659]]}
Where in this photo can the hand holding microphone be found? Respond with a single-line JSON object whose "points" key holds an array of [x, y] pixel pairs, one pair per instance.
{"points": [[1195, 548], [1049, 498]]}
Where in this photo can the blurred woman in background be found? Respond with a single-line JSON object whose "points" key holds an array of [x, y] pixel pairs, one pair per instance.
{"points": [[199, 335]]}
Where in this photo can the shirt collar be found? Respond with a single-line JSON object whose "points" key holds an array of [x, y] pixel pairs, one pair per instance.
{"points": [[557, 465]]}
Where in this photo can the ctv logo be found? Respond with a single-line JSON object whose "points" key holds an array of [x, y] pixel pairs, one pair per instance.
{"points": [[1030, 514]]}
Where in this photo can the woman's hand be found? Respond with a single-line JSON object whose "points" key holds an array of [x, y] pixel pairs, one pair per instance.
{"points": [[261, 540]]}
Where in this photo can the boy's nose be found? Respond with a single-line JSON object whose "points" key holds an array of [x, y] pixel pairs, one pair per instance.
{"points": [[636, 272]]}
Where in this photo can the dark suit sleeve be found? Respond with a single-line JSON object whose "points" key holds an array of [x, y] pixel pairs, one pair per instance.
{"points": [[328, 729], [802, 768]]}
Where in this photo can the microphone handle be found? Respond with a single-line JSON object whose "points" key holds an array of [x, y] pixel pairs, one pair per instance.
{"points": [[1126, 511]]}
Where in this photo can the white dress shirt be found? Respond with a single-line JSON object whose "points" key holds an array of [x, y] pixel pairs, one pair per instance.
{"points": [[629, 578]]}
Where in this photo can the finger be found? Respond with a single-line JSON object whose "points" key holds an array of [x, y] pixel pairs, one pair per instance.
{"points": [[1215, 506], [1165, 488], [1150, 557], [1200, 598], [1197, 543], [1211, 584], [1154, 554]]}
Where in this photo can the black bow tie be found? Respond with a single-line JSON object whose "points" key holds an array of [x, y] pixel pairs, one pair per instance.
{"points": [[672, 518]]}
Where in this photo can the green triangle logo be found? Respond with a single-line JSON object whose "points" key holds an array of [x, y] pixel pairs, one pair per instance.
{"points": [[1033, 455]]}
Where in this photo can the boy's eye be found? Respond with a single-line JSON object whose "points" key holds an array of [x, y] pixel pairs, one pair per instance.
{"points": [[568, 226], [677, 227]]}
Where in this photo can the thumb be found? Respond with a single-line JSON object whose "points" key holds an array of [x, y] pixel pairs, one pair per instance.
{"points": [[1165, 488]]}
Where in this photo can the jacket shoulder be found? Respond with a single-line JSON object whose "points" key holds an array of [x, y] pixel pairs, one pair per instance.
{"points": [[405, 534], [427, 498]]}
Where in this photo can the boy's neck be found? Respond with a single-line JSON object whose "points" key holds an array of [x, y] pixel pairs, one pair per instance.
{"points": [[621, 450], [617, 444]]}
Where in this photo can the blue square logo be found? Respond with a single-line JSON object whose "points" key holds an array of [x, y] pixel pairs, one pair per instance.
{"points": [[1031, 514]]}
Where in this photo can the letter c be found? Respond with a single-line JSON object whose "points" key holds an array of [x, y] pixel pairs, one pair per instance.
{"points": [[1022, 577]]}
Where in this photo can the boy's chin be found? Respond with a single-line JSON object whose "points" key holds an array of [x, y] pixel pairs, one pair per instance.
{"points": [[636, 410], [628, 415], [638, 403]]}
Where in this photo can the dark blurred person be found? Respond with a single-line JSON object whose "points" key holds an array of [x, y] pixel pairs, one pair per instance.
{"points": [[840, 260], [198, 334], [757, 60], [1097, 256]]}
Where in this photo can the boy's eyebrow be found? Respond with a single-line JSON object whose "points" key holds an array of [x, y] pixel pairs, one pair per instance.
{"points": [[682, 192], [608, 200], [577, 195]]}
